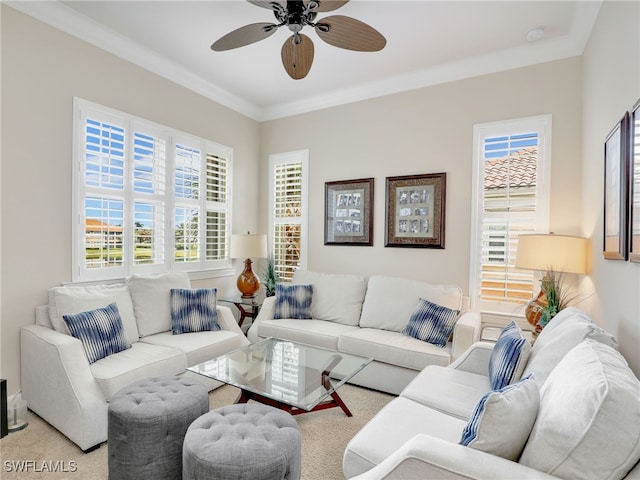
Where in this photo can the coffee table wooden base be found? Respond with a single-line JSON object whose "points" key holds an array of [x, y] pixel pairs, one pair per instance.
{"points": [[335, 401]]}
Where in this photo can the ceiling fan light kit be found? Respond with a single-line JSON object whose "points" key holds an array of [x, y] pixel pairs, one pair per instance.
{"points": [[297, 51]]}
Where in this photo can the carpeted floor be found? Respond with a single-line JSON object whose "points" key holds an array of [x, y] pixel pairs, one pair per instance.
{"points": [[41, 452]]}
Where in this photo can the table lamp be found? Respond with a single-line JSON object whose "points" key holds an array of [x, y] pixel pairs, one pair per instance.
{"points": [[248, 246], [551, 254]]}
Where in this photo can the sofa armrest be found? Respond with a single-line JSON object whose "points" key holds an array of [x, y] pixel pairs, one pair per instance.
{"points": [[58, 385], [227, 321], [426, 457], [465, 333], [266, 313], [475, 359]]}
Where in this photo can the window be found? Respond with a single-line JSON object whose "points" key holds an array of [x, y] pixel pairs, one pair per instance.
{"points": [[288, 211], [148, 199], [511, 179]]}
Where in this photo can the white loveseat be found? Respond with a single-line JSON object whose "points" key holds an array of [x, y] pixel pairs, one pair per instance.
{"points": [[366, 316], [586, 423], [61, 386]]}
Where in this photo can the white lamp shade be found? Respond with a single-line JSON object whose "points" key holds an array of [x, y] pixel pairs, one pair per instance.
{"points": [[561, 253], [249, 246]]}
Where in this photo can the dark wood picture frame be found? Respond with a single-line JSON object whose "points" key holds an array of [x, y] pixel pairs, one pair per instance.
{"points": [[416, 211], [616, 191], [634, 183], [348, 207]]}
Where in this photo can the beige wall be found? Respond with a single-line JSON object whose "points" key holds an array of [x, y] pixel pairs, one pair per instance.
{"points": [[42, 70], [611, 78], [426, 131]]}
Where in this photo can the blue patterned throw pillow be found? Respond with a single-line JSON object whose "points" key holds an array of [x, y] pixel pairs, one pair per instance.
{"points": [[100, 331], [503, 419], [509, 357], [431, 323], [193, 310], [293, 301]]}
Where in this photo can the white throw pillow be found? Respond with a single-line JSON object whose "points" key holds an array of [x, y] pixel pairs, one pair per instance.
{"points": [[151, 296], [566, 330], [76, 299], [502, 420], [588, 424], [336, 297], [390, 301]]}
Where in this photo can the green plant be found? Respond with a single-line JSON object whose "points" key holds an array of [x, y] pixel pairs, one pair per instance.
{"points": [[557, 296], [270, 278]]}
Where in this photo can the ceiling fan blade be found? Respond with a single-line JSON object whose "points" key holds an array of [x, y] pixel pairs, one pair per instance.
{"points": [[267, 3], [327, 5], [349, 33], [246, 35], [297, 57]]}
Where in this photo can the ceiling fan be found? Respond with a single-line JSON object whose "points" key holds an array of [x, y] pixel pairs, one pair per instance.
{"points": [[297, 51]]}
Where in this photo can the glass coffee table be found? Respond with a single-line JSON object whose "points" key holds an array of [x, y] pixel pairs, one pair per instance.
{"points": [[292, 376]]}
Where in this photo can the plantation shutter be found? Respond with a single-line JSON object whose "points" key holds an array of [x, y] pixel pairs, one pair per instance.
{"points": [[147, 199], [288, 214], [103, 155], [216, 207], [149, 192], [512, 193]]}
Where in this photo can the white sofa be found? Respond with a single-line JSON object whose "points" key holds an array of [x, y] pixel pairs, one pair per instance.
{"points": [[62, 387], [586, 422], [366, 316]]}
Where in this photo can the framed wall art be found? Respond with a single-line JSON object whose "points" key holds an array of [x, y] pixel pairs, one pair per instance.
{"points": [[634, 185], [348, 207], [616, 191], [416, 211]]}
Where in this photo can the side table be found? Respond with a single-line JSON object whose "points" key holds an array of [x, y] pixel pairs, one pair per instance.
{"points": [[247, 307]]}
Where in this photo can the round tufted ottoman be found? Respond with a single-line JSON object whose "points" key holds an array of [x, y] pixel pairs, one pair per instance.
{"points": [[243, 442], [147, 422]]}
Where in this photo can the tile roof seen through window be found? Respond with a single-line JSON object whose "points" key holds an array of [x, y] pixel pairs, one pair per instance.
{"points": [[518, 168]]}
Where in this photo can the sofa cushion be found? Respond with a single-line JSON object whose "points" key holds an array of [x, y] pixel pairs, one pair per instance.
{"points": [[509, 357], [389, 301], [151, 296], [336, 297], [451, 391], [566, 330], [293, 301], [590, 398], [315, 332], [99, 330], [193, 310], [397, 422], [502, 420], [201, 346], [76, 299], [393, 348], [141, 361], [431, 323]]}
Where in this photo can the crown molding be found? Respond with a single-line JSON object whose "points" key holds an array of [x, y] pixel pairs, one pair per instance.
{"points": [[68, 20], [568, 46]]}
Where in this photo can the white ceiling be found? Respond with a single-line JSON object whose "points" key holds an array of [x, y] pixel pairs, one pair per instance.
{"points": [[428, 42]]}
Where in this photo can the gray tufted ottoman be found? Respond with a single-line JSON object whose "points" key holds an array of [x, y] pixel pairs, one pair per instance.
{"points": [[147, 422], [243, 442]]}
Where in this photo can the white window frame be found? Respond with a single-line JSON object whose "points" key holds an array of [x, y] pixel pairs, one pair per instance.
{"points": [[202, 268], [302, 157], [542, 125]]}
